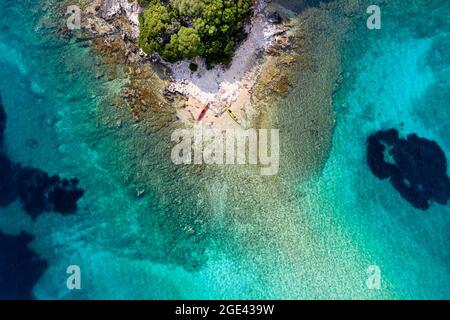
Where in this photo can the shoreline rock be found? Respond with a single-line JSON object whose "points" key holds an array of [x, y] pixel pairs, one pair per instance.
{"points": [[116, 28]]}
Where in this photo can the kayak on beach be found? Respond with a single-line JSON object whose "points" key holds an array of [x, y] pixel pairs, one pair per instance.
{"points": [[203, 113], [233, 115]]}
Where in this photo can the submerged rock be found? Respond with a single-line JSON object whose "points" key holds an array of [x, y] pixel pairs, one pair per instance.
{"points": [[37, 191], [20, 268], [416, 167]]}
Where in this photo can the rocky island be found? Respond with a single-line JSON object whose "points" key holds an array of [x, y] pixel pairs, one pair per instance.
{"points": [[207, 53], [103, 169]]}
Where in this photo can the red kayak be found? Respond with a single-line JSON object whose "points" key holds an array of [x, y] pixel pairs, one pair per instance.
{"points": [[203, 113]]}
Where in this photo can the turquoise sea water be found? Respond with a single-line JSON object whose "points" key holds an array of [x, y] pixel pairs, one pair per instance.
{"points": [[397, 77], [393, 78]]}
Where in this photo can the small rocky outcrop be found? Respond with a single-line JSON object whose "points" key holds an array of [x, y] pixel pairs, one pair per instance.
{"points": [[110, 8]]}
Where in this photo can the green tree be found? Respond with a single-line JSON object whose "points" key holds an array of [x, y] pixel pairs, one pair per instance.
{"points": [[153, 24], [179, 29], [185, 44], [144, 3], [189, 8], [220, 27]]}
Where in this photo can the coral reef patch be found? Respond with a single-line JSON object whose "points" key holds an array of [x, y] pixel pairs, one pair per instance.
{"points": [[20, 267], [37, 191], [416, 167]]}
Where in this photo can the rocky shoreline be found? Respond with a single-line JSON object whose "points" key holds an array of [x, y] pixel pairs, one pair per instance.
{"points": [[112, 27]]}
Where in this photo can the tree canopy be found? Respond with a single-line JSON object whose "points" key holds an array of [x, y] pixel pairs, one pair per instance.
{"points": [[179, 29]]}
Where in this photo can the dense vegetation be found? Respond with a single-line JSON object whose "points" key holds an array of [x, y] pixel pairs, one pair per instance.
{"points": [[178, 29]]}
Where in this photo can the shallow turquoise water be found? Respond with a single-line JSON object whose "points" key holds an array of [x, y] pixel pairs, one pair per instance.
{"points": [[395, 77], [51, 99]]}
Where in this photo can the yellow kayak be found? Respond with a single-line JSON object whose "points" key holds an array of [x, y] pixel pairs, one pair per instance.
{"points": [[233, 116]]}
